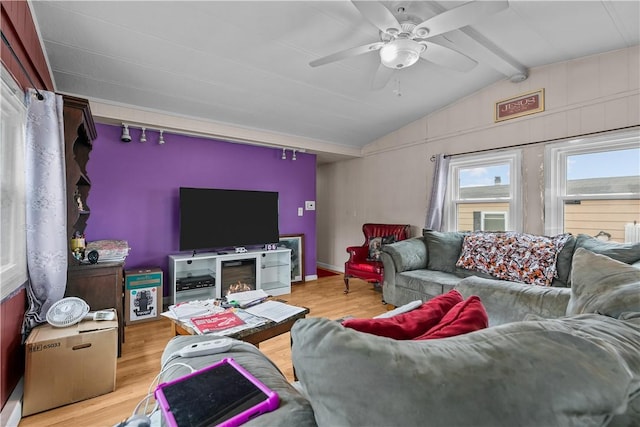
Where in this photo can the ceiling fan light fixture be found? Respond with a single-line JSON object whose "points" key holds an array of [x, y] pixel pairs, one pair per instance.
{"points": [[401, 53]]}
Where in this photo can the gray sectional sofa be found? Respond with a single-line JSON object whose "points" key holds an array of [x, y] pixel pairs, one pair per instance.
{"points": [[421, 268], [531, 369]]}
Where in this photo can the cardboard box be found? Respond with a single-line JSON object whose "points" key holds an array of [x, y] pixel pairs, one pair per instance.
{"points": [[67, 365], [142, 295]]}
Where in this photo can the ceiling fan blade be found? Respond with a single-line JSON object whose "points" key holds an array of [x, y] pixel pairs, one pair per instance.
{"points": [[459, 17], [447, 57], [381, 77], [379, 16], [354, 51]]}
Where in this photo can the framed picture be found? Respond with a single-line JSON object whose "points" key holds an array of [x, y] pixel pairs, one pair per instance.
{"points": [[295, 242], [521, 105]]}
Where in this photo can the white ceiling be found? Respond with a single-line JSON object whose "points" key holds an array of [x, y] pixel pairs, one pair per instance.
{"points": [[246, 63]]}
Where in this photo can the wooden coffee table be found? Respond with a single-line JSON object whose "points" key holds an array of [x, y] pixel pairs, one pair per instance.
{"points": [[253, 335]]}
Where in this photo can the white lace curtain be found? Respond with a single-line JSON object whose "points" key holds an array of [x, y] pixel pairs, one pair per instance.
{"points": [[45, 205], [435, 210]]}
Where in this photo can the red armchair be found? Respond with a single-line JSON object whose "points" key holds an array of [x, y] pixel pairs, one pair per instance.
{"points": [[360, 265]]}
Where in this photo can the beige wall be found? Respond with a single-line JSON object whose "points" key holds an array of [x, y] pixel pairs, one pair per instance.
{"points": [[390, 183]]}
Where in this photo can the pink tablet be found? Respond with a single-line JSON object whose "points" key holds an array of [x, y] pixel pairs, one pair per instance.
{"points": [[223, 394]]}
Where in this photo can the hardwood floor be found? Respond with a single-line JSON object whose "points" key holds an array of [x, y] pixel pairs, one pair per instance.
{"points": [[140, 361]]}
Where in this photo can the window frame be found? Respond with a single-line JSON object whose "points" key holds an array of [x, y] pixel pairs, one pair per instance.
{"points": [[555, 166], [13, 271], [513, 158]]}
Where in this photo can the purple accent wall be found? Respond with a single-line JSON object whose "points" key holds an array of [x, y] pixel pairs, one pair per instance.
{"points": [[134, 189]]}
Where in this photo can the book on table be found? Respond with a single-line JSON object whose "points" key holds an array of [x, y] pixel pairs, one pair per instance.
{"points": [[216, 322]]}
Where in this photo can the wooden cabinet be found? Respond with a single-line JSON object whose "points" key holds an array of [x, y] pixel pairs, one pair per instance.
{"points": [[100, 285], [79, 134]]}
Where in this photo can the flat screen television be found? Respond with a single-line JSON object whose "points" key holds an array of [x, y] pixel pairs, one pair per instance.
{"points": [[213, 218]]}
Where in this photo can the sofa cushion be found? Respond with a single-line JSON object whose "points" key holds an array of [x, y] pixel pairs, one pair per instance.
{"points": [[518, 257], [603, 285], [507, 302], [623, 252], [408, 325], [443, 249], [563, 263], [409, 254], [466, 316], [478, 379]]}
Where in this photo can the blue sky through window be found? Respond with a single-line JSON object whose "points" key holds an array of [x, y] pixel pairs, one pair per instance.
{"points": [[602, 165], [618, 163], [474, 177]]}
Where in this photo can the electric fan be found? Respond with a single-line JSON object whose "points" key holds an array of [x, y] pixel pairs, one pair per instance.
{"points": [[71, 310], [66, 312]]}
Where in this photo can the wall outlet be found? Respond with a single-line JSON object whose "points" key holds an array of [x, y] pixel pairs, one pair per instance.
{"points": [[300, 211], [310, 205]]}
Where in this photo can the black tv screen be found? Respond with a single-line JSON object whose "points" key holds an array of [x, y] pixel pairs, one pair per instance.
{"points": [[215, 218]]}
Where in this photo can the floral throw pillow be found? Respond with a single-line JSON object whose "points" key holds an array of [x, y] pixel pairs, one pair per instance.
{"points": [[512, 256], [375, 245]]}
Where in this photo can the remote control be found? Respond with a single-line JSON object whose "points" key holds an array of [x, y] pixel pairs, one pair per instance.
{"points": [[206, 347]]}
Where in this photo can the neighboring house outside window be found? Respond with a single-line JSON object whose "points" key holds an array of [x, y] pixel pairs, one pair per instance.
{"points": [[593, 186], [484, 193]]}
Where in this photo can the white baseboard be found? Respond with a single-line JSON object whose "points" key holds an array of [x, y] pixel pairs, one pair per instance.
{"points": [[12, 412], [309, 278], [331, 267]]}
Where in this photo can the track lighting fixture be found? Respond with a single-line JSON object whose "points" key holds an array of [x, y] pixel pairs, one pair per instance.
{"points": [[125, 137], [294, 153]]}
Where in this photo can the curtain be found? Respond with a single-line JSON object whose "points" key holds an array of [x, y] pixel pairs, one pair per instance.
{"points": [[46, 206], [435, 208]]}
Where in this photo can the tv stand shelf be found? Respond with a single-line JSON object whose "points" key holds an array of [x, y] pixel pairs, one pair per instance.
{"points": [[272, 273]]}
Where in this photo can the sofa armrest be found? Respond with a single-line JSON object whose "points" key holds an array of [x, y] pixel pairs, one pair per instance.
{"points": [[358, 254], [294, 408], [507, 302], [409, 254]]}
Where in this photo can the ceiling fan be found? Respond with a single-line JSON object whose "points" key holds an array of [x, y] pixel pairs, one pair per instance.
{"points": [[406, 38]]}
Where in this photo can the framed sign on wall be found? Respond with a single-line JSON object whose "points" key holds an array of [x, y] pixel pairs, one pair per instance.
{"points": [[295, 242], [521, 105]]}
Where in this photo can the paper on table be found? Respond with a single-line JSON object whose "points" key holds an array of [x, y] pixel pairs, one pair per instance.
{"points": [[274, 310], [247, 296], [190, 309]]}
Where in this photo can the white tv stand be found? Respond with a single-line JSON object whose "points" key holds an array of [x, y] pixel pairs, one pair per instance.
{"points": [[273, 272]]}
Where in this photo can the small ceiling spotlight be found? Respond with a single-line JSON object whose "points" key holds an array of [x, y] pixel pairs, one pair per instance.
{"points": [[284, 155], [143, 136], [161, 140], [125, 137], [294, 155]]}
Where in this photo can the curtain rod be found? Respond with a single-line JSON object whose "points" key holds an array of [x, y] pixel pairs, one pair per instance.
{"points": [[15, 55], [524, 144]]}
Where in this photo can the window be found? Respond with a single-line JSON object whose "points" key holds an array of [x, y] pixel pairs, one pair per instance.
{"points": [[593, 186], [13, 258], [484, 193], [491, 221]]}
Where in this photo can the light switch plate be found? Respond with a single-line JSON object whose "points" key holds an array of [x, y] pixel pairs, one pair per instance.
{"points": [[310, 205], [300, 212]]}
